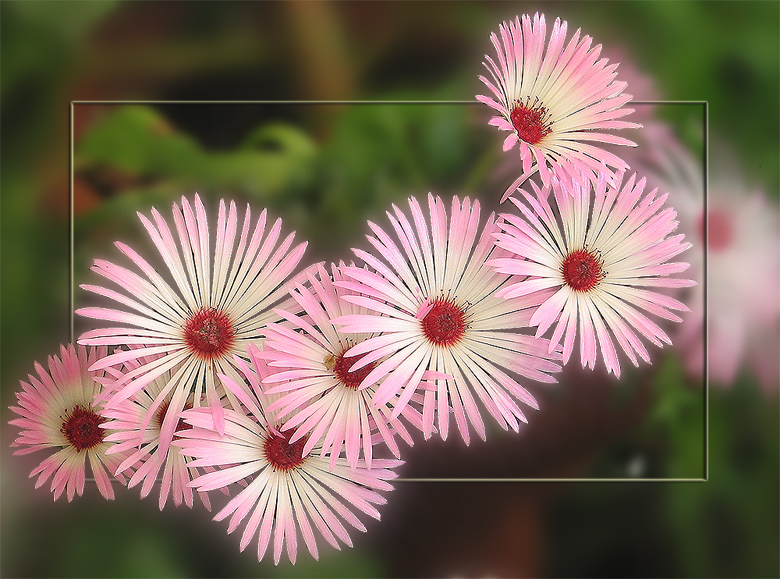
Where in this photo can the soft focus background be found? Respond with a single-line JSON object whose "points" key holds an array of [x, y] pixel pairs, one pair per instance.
{"points": [[325, 169]]}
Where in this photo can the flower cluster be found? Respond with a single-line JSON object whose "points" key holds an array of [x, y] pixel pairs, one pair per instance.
{"points": [[231, 365]]}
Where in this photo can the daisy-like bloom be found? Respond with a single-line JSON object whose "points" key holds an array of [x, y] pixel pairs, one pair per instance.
{"points": [[58, 411], [290, 490], [743, 266], [743, 277], [218, 304], [145, 459], [433, 302], [592, 262], [555, 101], [322, 397]]}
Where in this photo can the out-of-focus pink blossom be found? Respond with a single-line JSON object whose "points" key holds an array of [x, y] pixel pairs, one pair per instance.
{"points": [[742, 259]]}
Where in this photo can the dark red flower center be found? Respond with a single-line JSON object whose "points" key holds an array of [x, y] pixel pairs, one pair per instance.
{"points": [[340, 366], [209, 333], [720, 230], [445, 323], [582, 270], [82, 428], [281, 454], [531, 121], [159, 417]]}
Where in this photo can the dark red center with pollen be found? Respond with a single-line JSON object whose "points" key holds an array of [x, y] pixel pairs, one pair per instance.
{"points": [[720, 231], [82, 428], [281, 454], [159, 417], [209, 333], [531, 122], [350, 379], [444, 324], [582, 270]]}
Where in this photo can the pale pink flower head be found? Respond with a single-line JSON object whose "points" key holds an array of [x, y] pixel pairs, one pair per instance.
{"points": [[743, 279], [555, 99], [218, 303], [743, 261], [592, 254], [432, 300], [321, 395], [139, 441], [288, 491], [58, 411]]}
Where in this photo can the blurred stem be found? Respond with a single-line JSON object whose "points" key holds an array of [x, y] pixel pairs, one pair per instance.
{"points": [[317, 47]]}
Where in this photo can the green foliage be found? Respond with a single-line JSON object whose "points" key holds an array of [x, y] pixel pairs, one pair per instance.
{"points": [[137, 140], [326, 169], [728, 525], [678, 415]]}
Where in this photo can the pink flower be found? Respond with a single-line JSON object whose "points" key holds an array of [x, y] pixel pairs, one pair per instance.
{"points": [[142, 447], [289, 490], [555, 102], [321, 395], [218, 304], [433, 302], [743, 266], [58, 411], [591, 262]]}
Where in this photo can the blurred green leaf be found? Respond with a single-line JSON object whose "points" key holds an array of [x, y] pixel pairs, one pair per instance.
{"points": [[139, 143], [67, 20], [43, 35], [728, 525], [139, 140], [678, 417]]}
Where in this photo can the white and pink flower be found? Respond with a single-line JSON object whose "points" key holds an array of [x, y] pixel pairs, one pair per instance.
{"points": [[141, 448], [58, 411], [556, 99], [219, 302], [288, 490], [591, 255], [321, 397], [432, 301]]}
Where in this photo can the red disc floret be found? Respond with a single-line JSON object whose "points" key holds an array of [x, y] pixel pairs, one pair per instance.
{"points": [[531, 122], [209, 333], [82, 428], [159, 417], [445, 323], [582, 270], [350, 379], [720, 231], [281, 454]]}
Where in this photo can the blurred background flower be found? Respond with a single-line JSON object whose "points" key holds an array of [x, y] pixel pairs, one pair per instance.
{"points": [[327, 168]]}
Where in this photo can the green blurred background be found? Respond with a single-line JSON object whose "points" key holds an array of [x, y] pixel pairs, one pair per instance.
{"points": [[325, 169]]}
